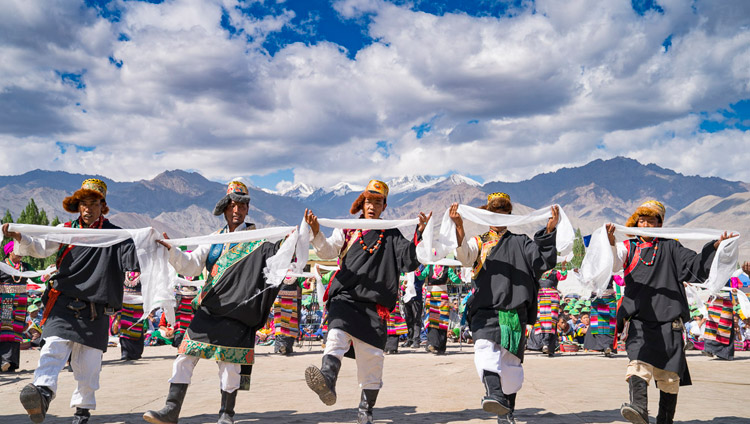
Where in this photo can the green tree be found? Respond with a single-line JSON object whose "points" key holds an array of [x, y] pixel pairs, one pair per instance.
{"points": [[32, 215], [55, 222], [579, 250]]}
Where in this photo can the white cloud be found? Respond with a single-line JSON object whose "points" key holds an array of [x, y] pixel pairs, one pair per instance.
{"points": [[507, 98]]}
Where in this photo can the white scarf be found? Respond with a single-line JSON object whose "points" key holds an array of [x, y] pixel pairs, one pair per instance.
{"points": [[26, 274], [596, 268], [157, 275], [431, 251]]}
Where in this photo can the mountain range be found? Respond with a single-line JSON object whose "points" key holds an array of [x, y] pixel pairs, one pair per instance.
{"points": [[180, 202]]}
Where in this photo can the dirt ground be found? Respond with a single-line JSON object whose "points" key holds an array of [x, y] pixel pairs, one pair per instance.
{"points": [[418, 388]]}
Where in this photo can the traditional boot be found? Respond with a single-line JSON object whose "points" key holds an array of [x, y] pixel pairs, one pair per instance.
{"points": [[667, 406], [366, 403], [171, 411], [509, 418], [323, 381], [81, 416], [226, 413], [35, 400], [495, 401], [637, 410]]}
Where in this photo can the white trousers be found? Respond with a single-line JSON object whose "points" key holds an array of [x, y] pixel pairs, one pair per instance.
{"points": [[369, 358], [85, 361], [492, 357], [229, 373]]}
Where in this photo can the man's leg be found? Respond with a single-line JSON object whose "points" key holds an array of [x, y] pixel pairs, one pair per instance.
{"points": [[409, 318], [370, 376], [87, 364], [322, 380], [487, 360], [668, 383], [229, 378], [638, 376], [182, 373], [36, 397]]}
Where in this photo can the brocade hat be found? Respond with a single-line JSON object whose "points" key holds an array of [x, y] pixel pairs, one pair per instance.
{"points": [[648, 208], [375, 189], [91, 187], [236, 191], [497, 195]]}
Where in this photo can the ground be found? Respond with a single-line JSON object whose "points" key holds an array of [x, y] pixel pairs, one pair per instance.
{"points": [[418, 388]]}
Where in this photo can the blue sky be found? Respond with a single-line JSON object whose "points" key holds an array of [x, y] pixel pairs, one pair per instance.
{"points": [[326, 91]]}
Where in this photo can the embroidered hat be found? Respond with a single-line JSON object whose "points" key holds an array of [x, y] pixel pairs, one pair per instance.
{"points": [[647, 208], [379, 187], [91, 187], [497, 195], [236, 191]]}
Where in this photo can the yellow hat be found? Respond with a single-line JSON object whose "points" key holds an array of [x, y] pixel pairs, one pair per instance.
{"points": [[376, 186], [95, 185], [647, 208], [90, 187], [497, 195]]}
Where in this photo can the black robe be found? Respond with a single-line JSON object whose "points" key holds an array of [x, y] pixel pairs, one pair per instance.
{"points": [[508, 280], [366, 280], [654, 300], [89, 275], [229, 312]]}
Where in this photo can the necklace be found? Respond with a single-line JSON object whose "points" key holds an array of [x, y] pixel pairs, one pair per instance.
{"points": [[16, 267], [377, 244], [653, 258]]}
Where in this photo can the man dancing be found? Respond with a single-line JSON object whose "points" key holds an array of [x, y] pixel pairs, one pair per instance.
{"points": [[360, 296], [86, 289]]}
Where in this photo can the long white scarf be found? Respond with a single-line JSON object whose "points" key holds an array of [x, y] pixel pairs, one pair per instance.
{"points": [[596, 268], [26, 274], [157, 275], [431, 251]]}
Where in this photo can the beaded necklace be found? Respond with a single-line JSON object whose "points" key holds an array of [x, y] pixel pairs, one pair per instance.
{"points": [[655, 244], [17, 267], [377, 244]]}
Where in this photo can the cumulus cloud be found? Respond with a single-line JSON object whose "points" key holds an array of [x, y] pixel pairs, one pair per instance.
{"points": [[190, 85]]}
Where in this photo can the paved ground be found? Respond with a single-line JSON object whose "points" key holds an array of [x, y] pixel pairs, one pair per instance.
{"points": [[419, 388]]}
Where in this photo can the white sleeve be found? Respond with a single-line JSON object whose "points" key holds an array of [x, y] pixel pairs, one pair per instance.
{"points": [[328, 248], [468, 252], [620, 254], [38, 248], [189, 264]]}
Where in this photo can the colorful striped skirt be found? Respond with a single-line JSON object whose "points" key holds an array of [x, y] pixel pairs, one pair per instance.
{"points": [[719, 323], [184, 314], [603, 316], [439, 311], [12, 312], [130, 326], [285, 317], [396, 323], [549, 310]]}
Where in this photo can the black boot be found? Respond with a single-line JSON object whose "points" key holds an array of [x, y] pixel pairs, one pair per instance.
{"points": [[509, 418], [323, 381], [81, 416], [667, 405], [226, 413], [495, 401], [366, 403], [171, 411], [637, 410], [35, 400], [407, 343]]}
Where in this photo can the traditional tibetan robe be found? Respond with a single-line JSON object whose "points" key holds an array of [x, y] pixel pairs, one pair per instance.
{"points": [[131, 324], [365, 288], [437, 278], [13, 295], [654, 300], [88, 284], [233, 304], [544, 331], [601, 332], [286, 315], [506, 274], [720, 333]]}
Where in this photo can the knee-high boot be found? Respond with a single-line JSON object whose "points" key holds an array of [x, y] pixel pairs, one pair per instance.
{"points": [[494, 401], [226, 412], [171, 411], [637, 410], [323, 380], [366, 403], [667, 406]]}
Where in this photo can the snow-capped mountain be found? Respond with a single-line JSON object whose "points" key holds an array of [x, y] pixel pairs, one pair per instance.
{"points": [[462, 179], [412, 183], [343, 188], [298, 190]]}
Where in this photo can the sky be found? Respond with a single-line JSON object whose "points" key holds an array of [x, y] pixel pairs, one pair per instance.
{"points": [[320, 92]]}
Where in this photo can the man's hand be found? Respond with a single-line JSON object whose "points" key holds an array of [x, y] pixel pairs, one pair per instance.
{"points": [[725, 236], [552, 222], [164, 243], [611, 234], [312, 221], [11, 234], [423, 220], [456, 218]]}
